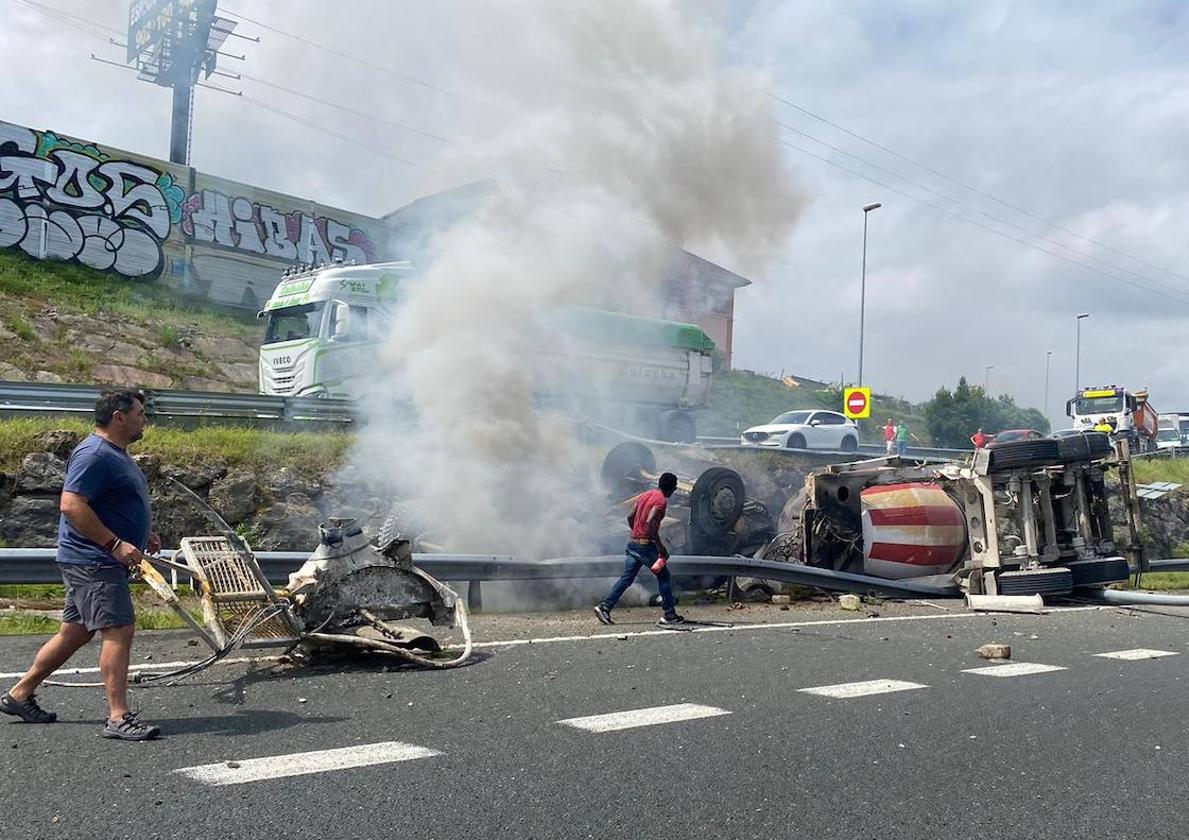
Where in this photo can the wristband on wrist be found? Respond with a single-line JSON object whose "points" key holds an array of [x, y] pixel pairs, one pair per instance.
{"points": [[111, 544]]}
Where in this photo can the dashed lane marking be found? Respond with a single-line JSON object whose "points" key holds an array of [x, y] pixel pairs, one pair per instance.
{"points": [[1014, 669], [301, 764], [643, 717], [1136, 653], [847, 691]]}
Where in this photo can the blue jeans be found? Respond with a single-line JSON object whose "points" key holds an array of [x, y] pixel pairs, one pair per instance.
{"points": [[636, 557], [901, 447]]}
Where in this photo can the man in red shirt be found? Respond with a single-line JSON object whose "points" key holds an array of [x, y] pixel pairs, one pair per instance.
{"points": [[889, 436], [979, 439], [646, 549]]}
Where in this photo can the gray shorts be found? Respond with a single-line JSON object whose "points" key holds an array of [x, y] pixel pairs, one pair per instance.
{"points": [[97, 597]]}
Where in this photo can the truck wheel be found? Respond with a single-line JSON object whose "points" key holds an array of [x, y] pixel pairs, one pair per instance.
{"points": [[1054, 580], [679, 427], [627, 469], [1088, 446], [1021, 454], [716, 502], [796, 441], [850, 444]]}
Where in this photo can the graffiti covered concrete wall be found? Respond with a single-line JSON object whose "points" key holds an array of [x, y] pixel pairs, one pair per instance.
{"points": [[68, 199]]}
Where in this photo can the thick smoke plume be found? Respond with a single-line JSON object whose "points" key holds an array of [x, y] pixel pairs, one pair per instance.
{"points": [[611, 136]]}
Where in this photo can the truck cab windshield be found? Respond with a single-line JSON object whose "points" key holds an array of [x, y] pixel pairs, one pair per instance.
{"points": [[293, 323], [1100, 405]]}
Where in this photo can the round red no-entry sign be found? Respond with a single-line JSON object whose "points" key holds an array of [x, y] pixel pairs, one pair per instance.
{"points": [[856, 403]]}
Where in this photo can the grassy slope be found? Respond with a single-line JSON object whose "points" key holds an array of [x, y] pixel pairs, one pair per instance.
{"points": [[740, 399], [28, 286], [311, 453]]}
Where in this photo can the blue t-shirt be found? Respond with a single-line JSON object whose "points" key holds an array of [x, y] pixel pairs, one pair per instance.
{"points": [[117, 491]]}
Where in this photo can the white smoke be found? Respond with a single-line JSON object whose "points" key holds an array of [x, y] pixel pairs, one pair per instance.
{"points": [[618, 137]]}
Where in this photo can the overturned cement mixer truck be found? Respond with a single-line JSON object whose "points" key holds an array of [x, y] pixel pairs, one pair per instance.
{"points": [[1026, 518]]}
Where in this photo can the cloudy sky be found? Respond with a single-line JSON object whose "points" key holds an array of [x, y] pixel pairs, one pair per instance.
{"points": [[1060, 126]]}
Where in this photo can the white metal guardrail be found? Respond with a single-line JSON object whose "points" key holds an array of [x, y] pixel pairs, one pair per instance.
{"points": [[195, 406]]}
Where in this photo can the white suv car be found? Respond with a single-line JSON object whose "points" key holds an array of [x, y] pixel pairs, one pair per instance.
{"points": [[805, 430]]}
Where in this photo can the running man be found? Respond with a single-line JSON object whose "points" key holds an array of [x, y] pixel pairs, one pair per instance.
{"points": [[646, 549]]}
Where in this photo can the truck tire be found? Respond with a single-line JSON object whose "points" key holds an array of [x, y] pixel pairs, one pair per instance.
{"points": [[795, 441], [716, 502], [1054, 580], [850, 444], [1088, 446], [1021, 454], [627, 468], [678, 427]]}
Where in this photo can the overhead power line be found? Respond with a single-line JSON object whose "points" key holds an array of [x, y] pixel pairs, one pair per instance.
{"points": [[1179, 298], [997, 219], [339, 53], [340, 106], [972, 189]]}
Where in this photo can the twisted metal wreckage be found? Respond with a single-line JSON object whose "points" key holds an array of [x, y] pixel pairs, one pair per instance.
{"points": [[1004, 528]]}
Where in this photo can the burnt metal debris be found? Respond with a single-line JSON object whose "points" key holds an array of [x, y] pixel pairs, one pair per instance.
{"points": [[348, 594]]}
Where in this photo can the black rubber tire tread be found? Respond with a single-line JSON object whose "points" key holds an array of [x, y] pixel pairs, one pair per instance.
{"points": [[1088, 446], [795, 437], [850, 444], [1097, 572], [1057, 580], [1019, 454], [622, 463], [702, 495]]}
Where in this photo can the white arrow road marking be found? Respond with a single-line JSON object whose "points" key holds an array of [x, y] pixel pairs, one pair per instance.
{"points": [[1015, 669], [300, 764], [643, 717], [847, 691], [1137, 653]]}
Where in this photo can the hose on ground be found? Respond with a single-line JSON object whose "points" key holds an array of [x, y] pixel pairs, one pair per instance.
{"points": [[1126, 598], [460, 621]]}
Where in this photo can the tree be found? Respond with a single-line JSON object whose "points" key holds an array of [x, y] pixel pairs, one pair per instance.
{"points": [[953, 416]]}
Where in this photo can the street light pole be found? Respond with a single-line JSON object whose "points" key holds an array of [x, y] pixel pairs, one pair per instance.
{"points": [[1077, 354], [1048, 359], [987, 381], [867, 208]]}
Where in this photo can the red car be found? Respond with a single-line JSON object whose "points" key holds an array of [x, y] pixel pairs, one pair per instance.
{"points": [[1008, 435]]}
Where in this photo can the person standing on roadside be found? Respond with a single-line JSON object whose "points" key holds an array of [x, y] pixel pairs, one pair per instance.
{"points": [[103, 531], [979, 438], [889, 436], [646, 549], [902, 435]]}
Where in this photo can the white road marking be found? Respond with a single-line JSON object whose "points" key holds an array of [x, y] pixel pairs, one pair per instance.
{"points": [[643, 717], [300, 764], [155, 666], [784, 625], [846, 691], [1137, 653], [1014, 669]]}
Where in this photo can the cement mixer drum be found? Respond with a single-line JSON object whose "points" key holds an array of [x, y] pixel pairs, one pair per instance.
{"points": [[911, 530]]}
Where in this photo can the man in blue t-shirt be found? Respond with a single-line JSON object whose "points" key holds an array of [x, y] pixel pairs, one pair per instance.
{"points": [[104, 529]]}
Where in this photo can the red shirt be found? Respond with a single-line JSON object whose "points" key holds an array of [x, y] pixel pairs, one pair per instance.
{"points": [[979, 440], [889, 433], [646, 503]]}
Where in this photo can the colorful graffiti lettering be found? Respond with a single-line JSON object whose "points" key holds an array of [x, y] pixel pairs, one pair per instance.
{"points": [[69, 201], [241, 224]]}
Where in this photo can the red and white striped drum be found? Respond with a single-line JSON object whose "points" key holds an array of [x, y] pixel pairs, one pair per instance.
{"points": [[911, 530]]}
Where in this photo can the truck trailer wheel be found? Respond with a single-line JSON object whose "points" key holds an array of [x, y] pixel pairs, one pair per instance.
{"points": [[1055, 580], [678, 427]]}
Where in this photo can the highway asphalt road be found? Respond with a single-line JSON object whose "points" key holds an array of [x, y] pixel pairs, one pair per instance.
{"points": [[722, 740]]}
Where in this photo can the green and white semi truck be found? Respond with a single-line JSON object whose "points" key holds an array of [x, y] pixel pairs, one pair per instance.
{"points": [[325, 326]]}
